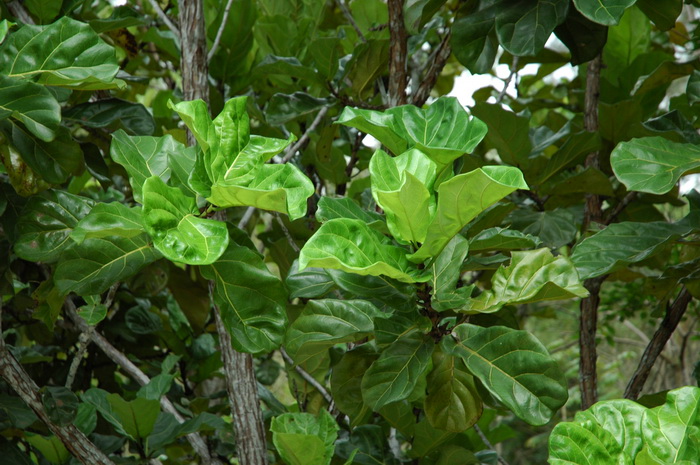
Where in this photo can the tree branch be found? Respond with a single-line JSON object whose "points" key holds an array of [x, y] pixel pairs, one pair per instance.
{"points": [[307, 377], [304, 139], [161, 14], [351, 20], [220, 32], [194, 66], [486, 441], [674, 313], [436, 66], [398, 54]]}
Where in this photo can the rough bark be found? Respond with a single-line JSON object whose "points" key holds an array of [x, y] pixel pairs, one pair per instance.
{"points": [[398, 77], [674, 313]]}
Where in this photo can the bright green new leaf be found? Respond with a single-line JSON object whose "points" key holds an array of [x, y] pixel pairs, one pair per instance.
{"points": [[32, 104], [653, 164], [461, 199], [137, 417], [533, 276], [324, 323], [606, 12], [503, 239], [251, 158], [66, 53], [672, 430], [172, 219], [304, 439], [523, 27], [573, 444], [622, 418], [51, 448], [46, 224], [621, 244], [92, 266], [251, 299], [398, 370], [515, 368], [5, 26], [109, 219], [352, 246], [453, 403]]}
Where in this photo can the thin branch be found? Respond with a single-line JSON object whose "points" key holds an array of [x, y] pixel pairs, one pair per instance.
{"points": [[220, 32], [674, 313], [287, 234], [246, 217], [612, 215], [442, 54], [161, 14], [307, 377], [351, 20], [19, 12], [83, 343], [304, 139], [486, 441], [398, 77], [506, 83]]}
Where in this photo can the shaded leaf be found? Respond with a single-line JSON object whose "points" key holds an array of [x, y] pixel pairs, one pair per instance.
{"points": [[446, 270], [137, 417], [554, 227], [329, 208], [285, 107], [503, 239], [607, 13], [133, 117], [524, 26], [32, 104], [346, 382], [54, 161], [109, 219]]}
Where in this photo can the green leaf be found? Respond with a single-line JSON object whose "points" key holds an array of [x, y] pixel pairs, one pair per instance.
{"points": [[346, 382], [533, 276], [288, 66], [502, 239], [51, 448], [32, 104], [330, 208], [93, 313], [523, 27], [137, 417], [446, 270], [46, 224], [283, 108], [508, 132], [621, 244], [554, 227], [473, 40], [607, 13], [251, 299], [9, 451], [573, 444], [352, 246], [513, 366], [452, 403], [133, 117], [367, 63], [324, 323], [5, 26], [584, 38], [60, 403], [310, 283], [141, 320], [94, 265], [622, 418], [122, 17], [653, 164], [44, 11], [663, 13], [303, 439], [461, 199], [692, 89], [66, 53], [398, 370], [402, 187], [109, 219], [54, 161], [156, 388], [378, 124], [672, 431], [172, 220]]}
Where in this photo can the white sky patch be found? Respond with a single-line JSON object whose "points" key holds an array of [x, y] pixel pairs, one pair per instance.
{"points": [[118, 2]]}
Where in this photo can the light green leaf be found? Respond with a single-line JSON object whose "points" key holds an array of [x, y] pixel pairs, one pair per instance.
{"points": [[573, 444], [452, 403], [93, 313], [330, 208], [352, 246], [621, 244], [672, 431], [523, 27], [94, 265], [398, 370], [32, 104], [137, 417], [324, 323], [620, 417], [156, 388], [109, 219], [378, 124], [461, 199], [653, 164], [46, 223], [251, 299], [503, 239], [66, 53], [54, 161], [5, 26], [606, 12], [251, 158], [446, 270], [172, 219], [513, 366], [303, 439], [50, 447]]}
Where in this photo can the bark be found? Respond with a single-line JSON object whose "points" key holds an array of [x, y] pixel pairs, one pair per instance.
{"points": [[674, 313], [441, 56], [398, 77]]}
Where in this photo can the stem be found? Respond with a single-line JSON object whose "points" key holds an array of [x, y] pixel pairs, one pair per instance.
{"points": [[304, 139], [220, 32], [351, 20], [674, 313], [398, 54], [161, 14], [486, 441], [307, 377], [443, 53]]}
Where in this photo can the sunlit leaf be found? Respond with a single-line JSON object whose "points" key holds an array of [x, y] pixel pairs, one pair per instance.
{"points": [[303, 439]]}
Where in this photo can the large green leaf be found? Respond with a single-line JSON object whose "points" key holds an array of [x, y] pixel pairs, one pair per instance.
{"points": [[32, 104], [402, 187], [46, 224], [251, 299], [137, 417], [573, 444], [133, 117], [503, 239], [508, 132], [109, 219], [378, 124], [554, 227], [672, 430], [653, 164], [66, 53], [524, 26], [622, 244], [446, 269], [452, 403], [606, 12], [352, 246], [344, 207], [55, 161], [461, 199], [398, 370], [515, 368], [324, 323], [303, 439], [92, 266], [346, 382], [172, 219], [533, 276]]}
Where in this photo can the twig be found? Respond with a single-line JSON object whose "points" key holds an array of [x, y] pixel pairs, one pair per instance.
{"points": [[161, 14], [307, 377], [431, 75], [486, 441], [506, 83], [220, 32], [83, 343], [613, 214], [398, 77], [287, 234], [304, 139], [246, 217], [351, 20], [18, 11]]}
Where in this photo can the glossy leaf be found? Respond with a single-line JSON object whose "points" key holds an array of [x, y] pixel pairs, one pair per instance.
{"points": [[109, 219], [503, 239], [32, 104], [133, 117], [303, 439], [554, 227], [532, 276], [672, 430], [621, 244], [653, 164], [330, 208], [251, 299], [66, 53], [523, 27], [513, 366], [46, 224], [608, 12], [572, 443], [446, 270], [54, 161], [398, 370], [663, 13], [379, 124], [352, 246], [346, 382], [172, 219], [310, 283], [452, 403], [324, 323], [461, 199]]}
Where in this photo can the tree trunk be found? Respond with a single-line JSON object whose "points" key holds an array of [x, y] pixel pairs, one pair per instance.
{"points": [[398, 78]]}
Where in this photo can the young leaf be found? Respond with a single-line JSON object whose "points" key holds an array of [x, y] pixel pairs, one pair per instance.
{"points": [[671, 430], [32, 104], [171, 218], [352, 246], [303, 439], [513, 366], [109, 219]]}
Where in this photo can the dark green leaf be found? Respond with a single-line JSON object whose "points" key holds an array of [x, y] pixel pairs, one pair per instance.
{"points": [[555, 228], [502, 239], [584, 38], [283, 108], [60, 403], [508, 132], [310, 283], [288, 66], [692, 89], [346, 382], [137, 417], [140, 320], [32, 104], [122, 17], [330, 208], [663, 13], [523, 27], [109, 219], [54, 161], [133, 117], [43, 10], [607, 13], [446, 270]]}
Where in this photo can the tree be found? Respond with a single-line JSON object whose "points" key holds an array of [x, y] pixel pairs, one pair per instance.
{"points": [[207, 260]]}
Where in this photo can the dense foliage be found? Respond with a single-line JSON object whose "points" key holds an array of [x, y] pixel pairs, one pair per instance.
{"points": [[431, 294]]}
